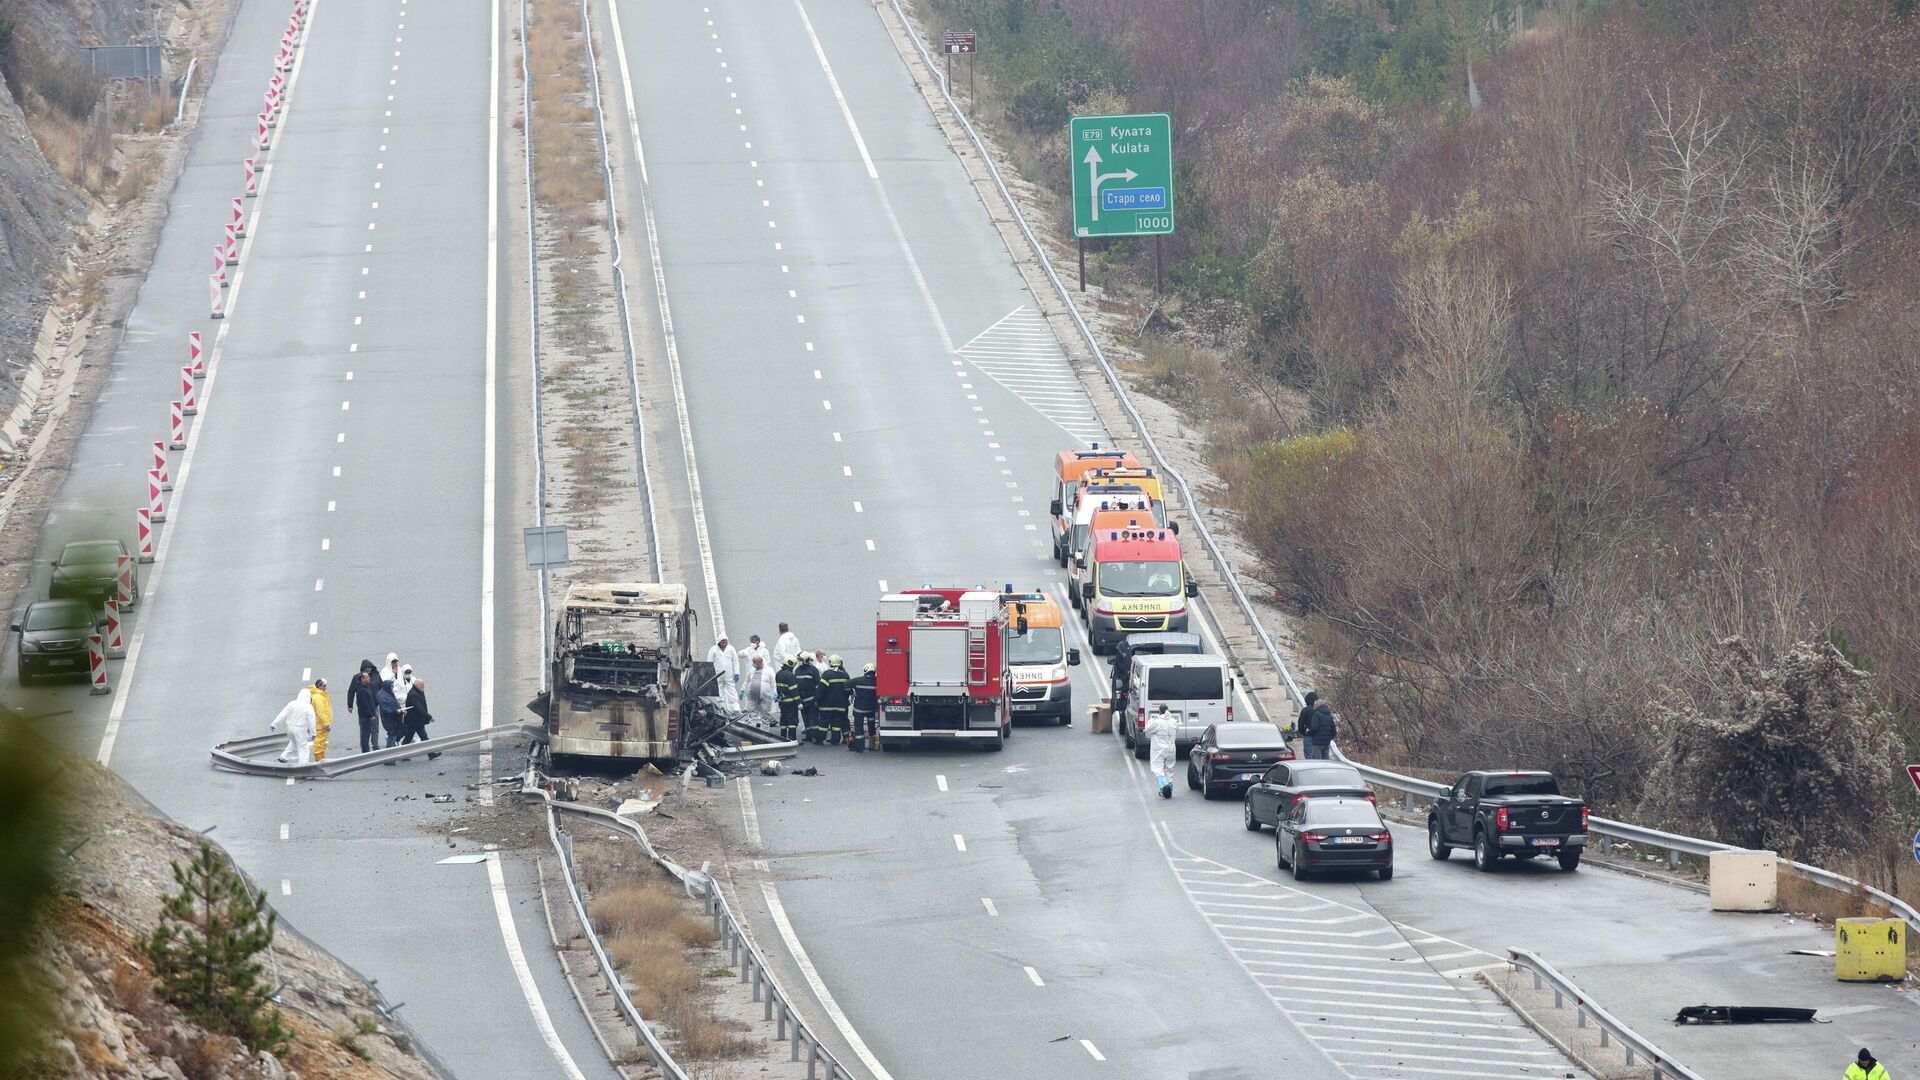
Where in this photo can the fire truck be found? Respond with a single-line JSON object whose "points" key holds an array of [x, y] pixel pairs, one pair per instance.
{"points": [[940, 667]]}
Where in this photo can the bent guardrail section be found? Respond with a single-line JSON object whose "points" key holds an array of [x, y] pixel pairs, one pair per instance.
{"points": [[1612, 1030], [745, 955], [238, 755], [1674, 844]]}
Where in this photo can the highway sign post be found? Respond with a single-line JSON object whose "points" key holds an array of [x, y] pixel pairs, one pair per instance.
{"points": [[1122, 170], [961, 42]]}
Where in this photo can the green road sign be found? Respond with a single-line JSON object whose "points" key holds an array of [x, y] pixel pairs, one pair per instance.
{"points": [[1122, 175]]}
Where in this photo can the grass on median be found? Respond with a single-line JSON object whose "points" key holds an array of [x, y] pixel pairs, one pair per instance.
{"points": [[655, 936]]}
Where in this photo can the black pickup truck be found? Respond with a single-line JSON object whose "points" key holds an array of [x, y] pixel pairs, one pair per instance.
{"points": [[1521, 814]]}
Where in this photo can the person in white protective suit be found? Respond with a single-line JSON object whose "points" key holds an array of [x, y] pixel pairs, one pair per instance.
{"points": [[754, 647], [726, 673], [786, 647], [1161, 731], [299, 719], [760, 693]]}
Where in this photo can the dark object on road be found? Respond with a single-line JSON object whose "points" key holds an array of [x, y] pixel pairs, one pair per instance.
{"points": [[1228, 757], [1744, 1014], [90, 570], [1498, 814], [53, 638], [1333, 833], [1289, 782]]}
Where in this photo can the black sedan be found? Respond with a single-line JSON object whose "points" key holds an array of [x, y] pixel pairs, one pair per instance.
{"points": [[1287, 783], [1333, 833], [90, 570], [53, 638], [1230, 756]]}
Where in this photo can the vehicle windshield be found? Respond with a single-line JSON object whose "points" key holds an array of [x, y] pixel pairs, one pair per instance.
{"points": [[1522, 785], [1341, 812], [1039, 645], [58, 617], [1244, 735], [1326, 775], [1153, 578], [92, 551], [1184, 684]]}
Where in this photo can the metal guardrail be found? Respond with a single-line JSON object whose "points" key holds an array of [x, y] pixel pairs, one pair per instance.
{"points": [[1612, 1030], [1674, 844], [1106, 367], [745, 956], [238, 755], [186, 86]]}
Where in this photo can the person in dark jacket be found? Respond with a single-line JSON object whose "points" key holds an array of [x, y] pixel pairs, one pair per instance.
{"points": [[787, 691], [1300, 725], [866, 704], [809, 677], [1122, 671], [836, 689], [390, 713], [362, 704], [1324, 731], [417, 717]]}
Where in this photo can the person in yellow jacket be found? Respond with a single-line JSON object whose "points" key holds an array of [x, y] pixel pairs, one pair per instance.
{"points": [[322, 718], [1866, 1068]]}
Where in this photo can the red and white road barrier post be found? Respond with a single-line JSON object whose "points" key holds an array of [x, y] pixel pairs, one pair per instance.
{"points": [[160, 464], [188, 406], [115, 648], [142, 536], [177, 424], [156, 504], [261, 137], [97, 666], [123, 583], [230, 247], [220, 264], [239, 216], [218, 300], [253, 178], [193, 355]]}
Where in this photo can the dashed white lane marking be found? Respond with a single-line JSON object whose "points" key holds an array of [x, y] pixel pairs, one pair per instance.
{"points": [[330, 506], [313, 628], [286, 887], [940, 782], [1019, 352], [992, 912], [285, 830], [857, 508], [869, 545], [1094, 1050], [319, 583], [1035, 976], [326, 544], [959, 842], [883, 585]]}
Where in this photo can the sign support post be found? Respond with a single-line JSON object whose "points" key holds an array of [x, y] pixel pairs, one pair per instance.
{"points": [[960, 41]]}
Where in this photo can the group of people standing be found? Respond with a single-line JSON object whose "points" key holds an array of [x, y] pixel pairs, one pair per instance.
{"points": [[392, 700], [811, 693]]}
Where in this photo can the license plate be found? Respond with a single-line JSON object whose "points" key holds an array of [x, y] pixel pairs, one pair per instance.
{"points": [[65, 662], [1545, 841], [1348, 840], [1249, 776], [1025, 708]]}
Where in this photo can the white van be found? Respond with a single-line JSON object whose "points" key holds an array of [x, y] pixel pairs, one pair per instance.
{"points": [[1197, 689]]}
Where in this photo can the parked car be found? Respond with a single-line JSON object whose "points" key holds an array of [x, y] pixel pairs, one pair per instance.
{"points": [[1333, 833], [53, 638], [90, 570], [1228, 757], [1196, 689], [1289, 782], [1498, 814]]}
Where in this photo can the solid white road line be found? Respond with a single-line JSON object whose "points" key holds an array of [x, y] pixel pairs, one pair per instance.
{"points": [[846, 113], [518, 957], [115, 712], [807, 971], [489, 484]]}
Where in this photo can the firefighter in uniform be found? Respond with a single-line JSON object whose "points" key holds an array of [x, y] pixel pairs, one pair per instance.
{"points": [[809, 678], [787, 690], [835, 689], [866, 703]]}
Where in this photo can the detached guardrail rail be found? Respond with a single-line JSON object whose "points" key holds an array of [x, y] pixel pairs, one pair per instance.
{"points": [[1674, 844], [1612, 1030], [238, 755]]}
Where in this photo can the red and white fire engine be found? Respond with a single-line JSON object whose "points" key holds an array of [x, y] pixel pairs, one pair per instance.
{"points": [[940, 667]]}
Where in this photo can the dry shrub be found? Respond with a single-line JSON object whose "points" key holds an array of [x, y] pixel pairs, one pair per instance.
{"points": [[137, 178], [651, 911], [704, 1036], [656, 970]]}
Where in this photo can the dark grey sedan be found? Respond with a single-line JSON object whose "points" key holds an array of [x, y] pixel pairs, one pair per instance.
{"points": [[1287, 783], [53, 638], [1333, 833]]}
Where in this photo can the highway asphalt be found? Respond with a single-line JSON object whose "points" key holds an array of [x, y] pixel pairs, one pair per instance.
{"points": [[332, 512]]}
